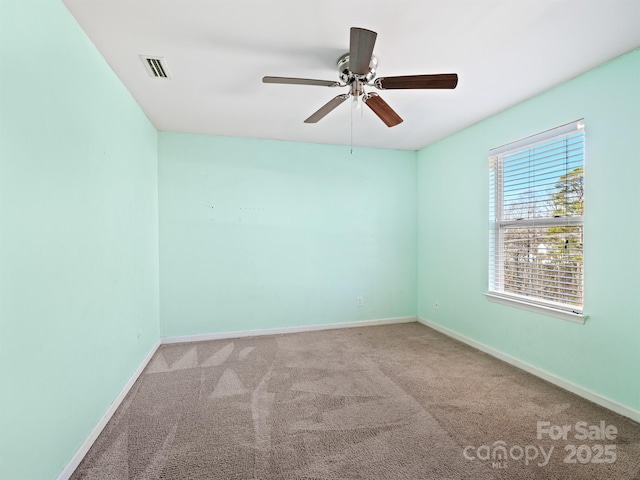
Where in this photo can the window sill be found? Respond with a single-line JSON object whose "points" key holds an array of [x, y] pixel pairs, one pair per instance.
{"points": [[553, 312]]}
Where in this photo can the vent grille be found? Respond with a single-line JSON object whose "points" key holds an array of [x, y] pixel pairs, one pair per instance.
{"points": [[156, 66]]}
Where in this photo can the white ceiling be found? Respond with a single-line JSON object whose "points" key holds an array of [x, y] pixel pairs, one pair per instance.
{"points": [[217, 51]]}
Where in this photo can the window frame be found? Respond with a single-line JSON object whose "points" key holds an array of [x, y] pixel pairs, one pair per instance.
{"points": [[498, 223]]}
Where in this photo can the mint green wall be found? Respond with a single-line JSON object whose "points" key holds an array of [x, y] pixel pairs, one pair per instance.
{"points": [[78, 238], [262, 234], [603, 355]]}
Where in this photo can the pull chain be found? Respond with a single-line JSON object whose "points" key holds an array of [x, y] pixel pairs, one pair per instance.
{"points": [[351, 115]]}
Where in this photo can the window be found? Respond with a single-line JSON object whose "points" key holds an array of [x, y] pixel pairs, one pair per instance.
{"points": [[536, 214]]}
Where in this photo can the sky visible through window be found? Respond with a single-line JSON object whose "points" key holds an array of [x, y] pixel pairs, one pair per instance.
{"points": [[533, 177]]}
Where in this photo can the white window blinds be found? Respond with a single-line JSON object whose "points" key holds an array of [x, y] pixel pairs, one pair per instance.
{"points": [[536, 214]]}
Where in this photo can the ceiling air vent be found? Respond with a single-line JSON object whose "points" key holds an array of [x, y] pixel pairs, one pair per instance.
{"points": [[156, 66]]}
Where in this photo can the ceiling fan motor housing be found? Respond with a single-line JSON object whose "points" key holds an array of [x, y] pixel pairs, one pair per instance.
{"points": [[347, 76]]}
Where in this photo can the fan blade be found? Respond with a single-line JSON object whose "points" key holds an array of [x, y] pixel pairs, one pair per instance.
{"points": [[300, 81], [361, 50], [326, 108], [382, 109], [442, 81]]}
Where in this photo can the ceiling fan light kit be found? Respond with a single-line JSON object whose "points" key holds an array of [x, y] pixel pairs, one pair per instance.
{"points": [[357, 70]]}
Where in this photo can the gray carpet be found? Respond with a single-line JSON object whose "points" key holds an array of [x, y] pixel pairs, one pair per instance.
{"points": [[388, 402]]}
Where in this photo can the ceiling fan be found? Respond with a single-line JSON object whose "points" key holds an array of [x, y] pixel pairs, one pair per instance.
{"points": [[357, 69]]}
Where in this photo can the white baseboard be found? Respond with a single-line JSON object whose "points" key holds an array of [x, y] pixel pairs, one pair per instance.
{"points": [[281, 330], [549, 377], [86, 445]]}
